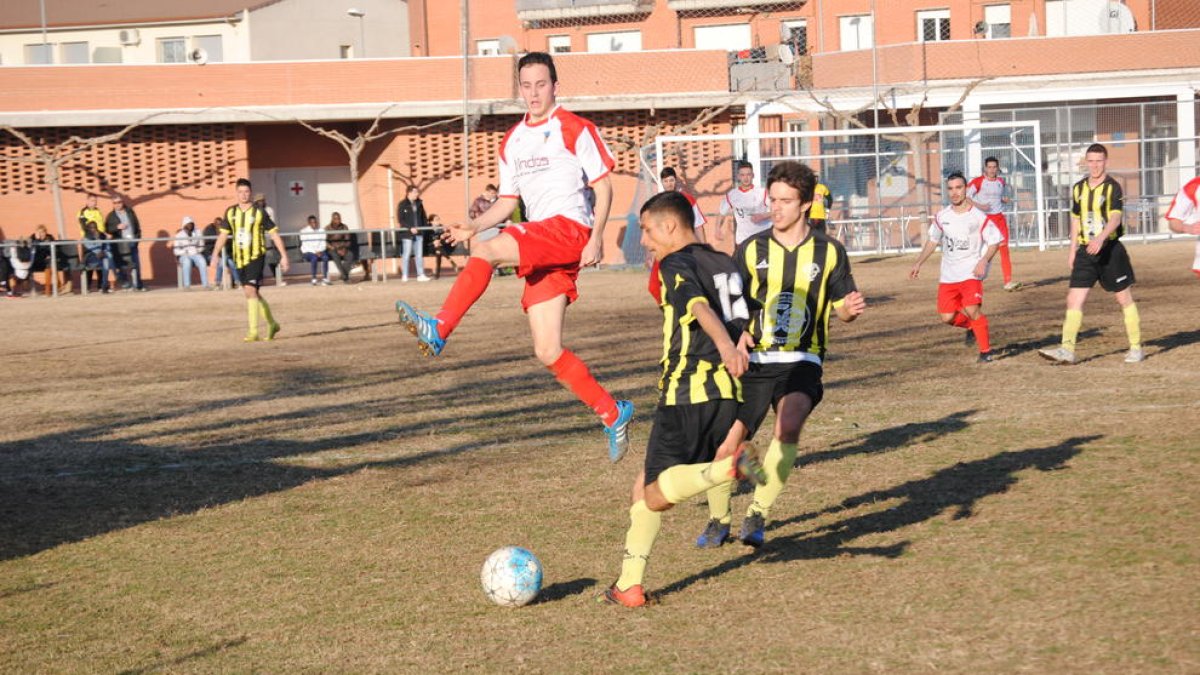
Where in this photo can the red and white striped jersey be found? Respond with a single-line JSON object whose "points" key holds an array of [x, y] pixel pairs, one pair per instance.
{"points": [[964, 238], [987, 192], [549, 164]]}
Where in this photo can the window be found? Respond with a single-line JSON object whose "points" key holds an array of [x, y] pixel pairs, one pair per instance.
{"points": [[624, 41], [933, 25], [38, 54], [74, 52], [796, 145], [558, 44], [857, 32], [211, 44], [731, 38], [998, 21], [172, 50], [487, 47], [795, 35], [345, 51]]}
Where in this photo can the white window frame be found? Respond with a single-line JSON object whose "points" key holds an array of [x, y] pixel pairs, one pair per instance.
{"points": [[785, 31], [864, 32], [62, 51], [994, 9], [745, 39], [555, 44], [634, 36], [45, 48], [488, 47], [160, 49], [937, 15], [796, 145]]}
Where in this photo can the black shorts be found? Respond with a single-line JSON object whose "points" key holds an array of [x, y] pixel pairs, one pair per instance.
{"points": [[252, 273], [1111, 268], [687, 434], [764, 384]]}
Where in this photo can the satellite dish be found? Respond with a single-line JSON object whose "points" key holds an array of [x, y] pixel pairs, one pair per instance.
{"points": [[1116, 18], [198, 56], [508, 45], [786, 56], [981, 28]]}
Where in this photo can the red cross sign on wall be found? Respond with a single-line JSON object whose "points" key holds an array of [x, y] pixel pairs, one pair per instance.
{"points": [[297, 188]]}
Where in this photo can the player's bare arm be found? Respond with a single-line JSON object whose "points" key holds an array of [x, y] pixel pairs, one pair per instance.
{"points": [[497, 213], [218, 248], [1179, 227], [851, 307], [1075, 228], [593, 252], [981, 266], [283, 259], [926, 251], [735, 361]]}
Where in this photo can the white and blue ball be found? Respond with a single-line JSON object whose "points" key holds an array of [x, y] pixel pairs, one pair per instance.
{"points": [[511, 576]]}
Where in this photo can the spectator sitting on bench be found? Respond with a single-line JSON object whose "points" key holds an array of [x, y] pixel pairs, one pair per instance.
{"points": [[42, 250], [189, 249], [20, 259], [338, 241], [96, 256], [312, 249]]}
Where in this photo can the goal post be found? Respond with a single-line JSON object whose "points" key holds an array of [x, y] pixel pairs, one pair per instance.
{"points": [[886, 182]]}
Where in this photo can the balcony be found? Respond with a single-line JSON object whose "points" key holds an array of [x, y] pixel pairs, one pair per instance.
{"points": [[693, 5], [556, 10]]}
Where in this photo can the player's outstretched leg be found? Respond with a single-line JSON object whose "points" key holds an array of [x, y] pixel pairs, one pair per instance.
{"points": [[431, 332], [423, 326]]}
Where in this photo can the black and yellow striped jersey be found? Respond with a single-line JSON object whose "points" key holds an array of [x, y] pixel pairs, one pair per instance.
{"points": [[692, 368], [1093, 206], [247, 230], [795, 288]]}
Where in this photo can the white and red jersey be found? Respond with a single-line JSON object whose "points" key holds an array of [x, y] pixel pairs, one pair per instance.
{"points": [[964, 238], [698, 218], [550, 163], [1186, 208], [989, 193], [744, 205]]}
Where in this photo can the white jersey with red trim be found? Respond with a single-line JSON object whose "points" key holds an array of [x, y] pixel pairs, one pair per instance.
{"points": [[1186, 208], [549, 164], [698, 218], [990, 193], [964, 238], [744, 205]]}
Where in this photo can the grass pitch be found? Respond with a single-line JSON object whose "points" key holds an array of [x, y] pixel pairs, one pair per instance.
{"points": [[172, 499]]}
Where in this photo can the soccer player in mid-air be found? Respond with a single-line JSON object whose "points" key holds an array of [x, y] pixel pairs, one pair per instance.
{"points": [[969, 240], [746, 206], [249, 225], [989, 193], [1097, 255], [704, 313], [1184, 216], [544, 160], [799, 277]]}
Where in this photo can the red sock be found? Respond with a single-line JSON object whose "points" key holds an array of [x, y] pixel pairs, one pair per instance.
{"points": [[960, 320], [574, 375], [1005, 262], [470, 284], [980, 328]]}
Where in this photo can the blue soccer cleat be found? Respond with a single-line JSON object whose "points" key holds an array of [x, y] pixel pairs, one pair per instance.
{"points": [[618, 433], [752, 532], [714, 535], [423, 326]]}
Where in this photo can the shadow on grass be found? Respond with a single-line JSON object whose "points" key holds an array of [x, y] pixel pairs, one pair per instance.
{"points": [[892, 438], [1049, 281], [1014, 349], [191, 656], [1174, 341], [564, 589], [27, 589], [956, 489]]}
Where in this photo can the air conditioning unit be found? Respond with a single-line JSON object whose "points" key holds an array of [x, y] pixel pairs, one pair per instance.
{"points": [[129, 37]]}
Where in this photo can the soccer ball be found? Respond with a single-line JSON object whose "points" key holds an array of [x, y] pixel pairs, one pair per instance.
{"points": [[511, 576]]}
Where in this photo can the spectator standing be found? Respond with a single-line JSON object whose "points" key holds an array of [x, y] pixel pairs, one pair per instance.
{"points": [[189, 249], [91, 214], [96, 256], [123, 226], [410, 215], [312, 249], [42, 250], [339, 248], [211, 231]]}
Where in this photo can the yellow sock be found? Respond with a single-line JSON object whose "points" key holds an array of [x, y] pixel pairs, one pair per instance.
{"points": [[778, 463], [252, 316], [1133, 325], [684, 481], [265, 310], [719, 500], [643, 530], [1071, 327]]}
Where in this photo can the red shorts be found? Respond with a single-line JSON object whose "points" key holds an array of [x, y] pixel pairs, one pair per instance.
{"points": [[953, 297], [1001, 224], [549, 258]]}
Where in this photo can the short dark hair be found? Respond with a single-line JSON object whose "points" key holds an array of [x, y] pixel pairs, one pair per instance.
{"points": [[743, 164], [538, 58], [243, 181], [668, 172], [491, 188], [1097, 147], [990, 160], [795, 174], [670, 204], [956, 175], [312, 217]]}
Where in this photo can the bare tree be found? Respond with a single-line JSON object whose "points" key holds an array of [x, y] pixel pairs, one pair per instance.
{"points": [[53, 157]]}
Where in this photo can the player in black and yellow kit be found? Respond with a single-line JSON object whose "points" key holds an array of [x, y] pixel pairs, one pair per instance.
{"points": [[704, 312], [249, 226], [1096, 204], [799, 277]]}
